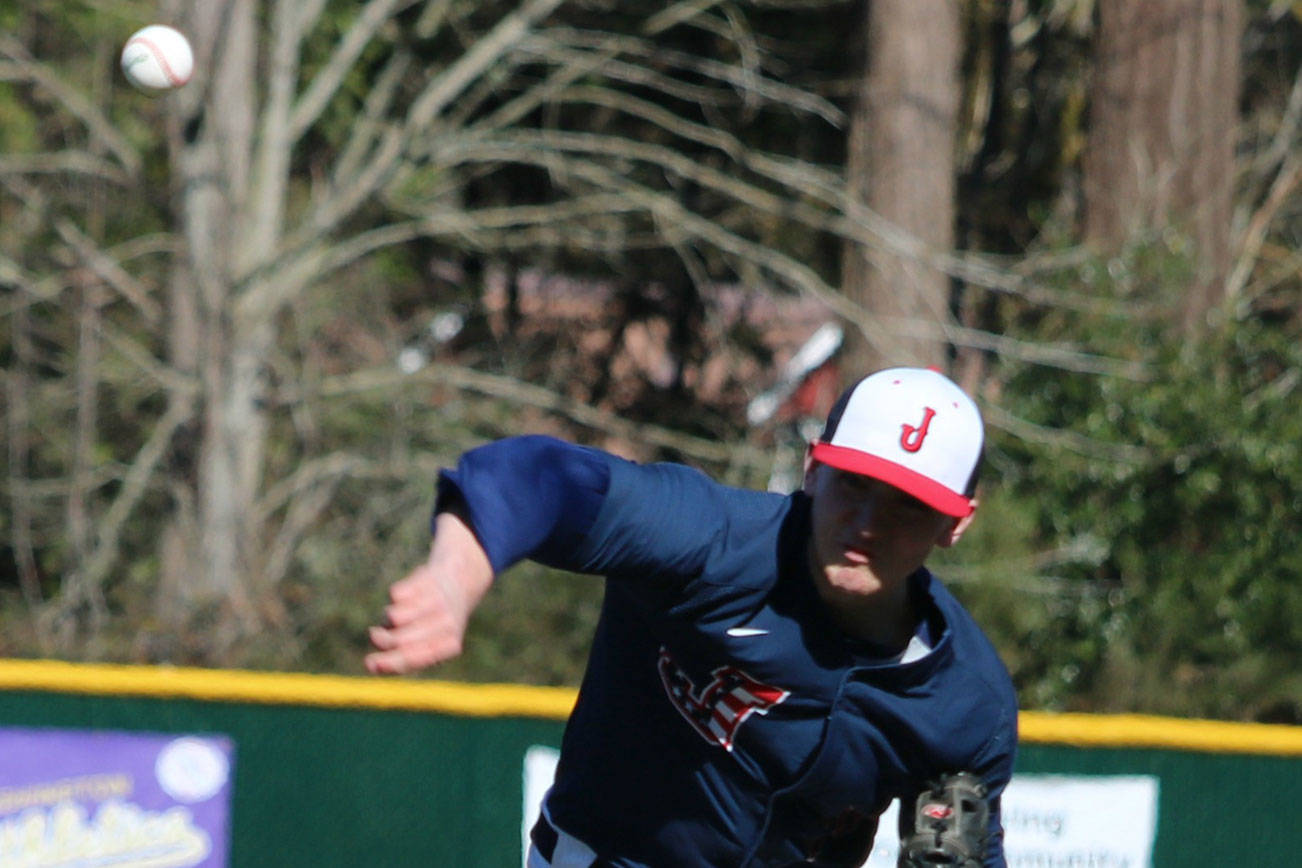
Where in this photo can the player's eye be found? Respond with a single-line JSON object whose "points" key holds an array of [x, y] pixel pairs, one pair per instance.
{"points": [[908, 503], [854, 483]]}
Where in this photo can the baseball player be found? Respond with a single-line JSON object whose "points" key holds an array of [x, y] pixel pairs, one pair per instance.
{"points": [[769, 671]]}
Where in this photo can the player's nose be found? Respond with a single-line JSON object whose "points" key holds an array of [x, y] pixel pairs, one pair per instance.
{"points": [[864, 513]]}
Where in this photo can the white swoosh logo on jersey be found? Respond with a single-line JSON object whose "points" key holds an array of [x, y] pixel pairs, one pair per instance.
{"points": [[742, 632]]}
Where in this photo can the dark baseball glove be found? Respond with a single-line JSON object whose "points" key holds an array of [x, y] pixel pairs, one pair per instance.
{"points": [[950, 823]]}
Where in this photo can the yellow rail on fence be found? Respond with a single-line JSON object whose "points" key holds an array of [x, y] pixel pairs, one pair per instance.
{"points": [[515, 700], [276, 688]]}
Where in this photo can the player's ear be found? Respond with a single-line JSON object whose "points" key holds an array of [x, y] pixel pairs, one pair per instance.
{"points": [[954, 533]]}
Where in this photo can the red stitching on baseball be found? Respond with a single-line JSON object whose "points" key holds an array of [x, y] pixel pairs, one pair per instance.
{"points": [[172, 78]]}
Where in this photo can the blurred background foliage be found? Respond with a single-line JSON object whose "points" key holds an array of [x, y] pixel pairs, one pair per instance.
{"points": [[1136, 546], [1134, 552]]}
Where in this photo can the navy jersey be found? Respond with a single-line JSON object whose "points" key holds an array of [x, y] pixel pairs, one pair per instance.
{"points": [[723, 719]]}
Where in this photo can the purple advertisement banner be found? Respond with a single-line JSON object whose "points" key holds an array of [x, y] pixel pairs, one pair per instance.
{"points": [[77, 799]]}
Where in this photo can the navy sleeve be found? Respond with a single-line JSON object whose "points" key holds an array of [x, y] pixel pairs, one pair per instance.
{"points": [[996, 773], [657, 520], [528, 497], [584, 510]]}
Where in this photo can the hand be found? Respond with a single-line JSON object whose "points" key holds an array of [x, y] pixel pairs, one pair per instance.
{"points": [[425, 621]]}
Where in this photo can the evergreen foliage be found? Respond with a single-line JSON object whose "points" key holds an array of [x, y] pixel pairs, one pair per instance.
{"points": [[1162, 507]]}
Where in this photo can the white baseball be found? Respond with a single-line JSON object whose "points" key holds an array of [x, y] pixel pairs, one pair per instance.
{"points": [[157, 57]]}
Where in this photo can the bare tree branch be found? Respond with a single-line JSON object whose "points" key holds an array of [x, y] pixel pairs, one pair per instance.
{"points": [[307, 493], [303, 512], [18, 417], [805, 279], [657, 56], [371, 126], [575, 67], [266, 206], [679, 13], [384, 162], [35, 289], [527, 147], [22, 66], [325, 84], [295, 272], [109, 270], [507, 388], [340, 202], [1071, 441], [1284, 140], [40, 289], [108, 537], [433, 17], [1254, 236], [844, 217], [508, 33], [1283, 269], [85, 437], [66, 162], [326, 469], [306, 476], [156, 244], [539, 147], [34, 214], [167, 377], [438, 93], [13, 274]]}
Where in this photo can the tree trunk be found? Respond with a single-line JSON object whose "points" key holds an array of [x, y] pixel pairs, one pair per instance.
{"points": [[1160, 147], [900, 162], [213, 152]]}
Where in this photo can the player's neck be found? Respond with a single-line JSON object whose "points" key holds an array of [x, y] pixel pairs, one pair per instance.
{"points": [[887, 627], [886, 617]]}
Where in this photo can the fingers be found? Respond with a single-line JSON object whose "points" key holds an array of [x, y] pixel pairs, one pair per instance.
{"points": [[400, 615], [399, 662], [416, 634], [406, 659], [421, 626], [402, 651], [416, 596], [405, 590]]}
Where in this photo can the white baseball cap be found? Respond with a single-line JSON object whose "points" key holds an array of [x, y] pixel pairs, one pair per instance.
{"points": [[912, 428]]}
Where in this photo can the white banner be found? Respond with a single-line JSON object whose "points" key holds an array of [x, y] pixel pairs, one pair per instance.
{"points": [[1050, 821], [1062, 821]]}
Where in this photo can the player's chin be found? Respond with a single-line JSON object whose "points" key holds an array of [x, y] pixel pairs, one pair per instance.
{"points": [[853, 579]]}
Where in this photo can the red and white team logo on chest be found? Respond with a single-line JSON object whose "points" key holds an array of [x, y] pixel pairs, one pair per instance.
{"points": [[721, 706]]}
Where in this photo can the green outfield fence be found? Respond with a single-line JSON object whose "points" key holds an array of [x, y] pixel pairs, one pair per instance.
{"points": [[342, 771]]}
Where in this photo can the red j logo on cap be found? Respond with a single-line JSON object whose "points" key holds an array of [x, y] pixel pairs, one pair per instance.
{"points": [[910, 437]]}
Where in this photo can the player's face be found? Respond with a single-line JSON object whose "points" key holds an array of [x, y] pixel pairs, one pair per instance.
{"points": [[868, 536]]}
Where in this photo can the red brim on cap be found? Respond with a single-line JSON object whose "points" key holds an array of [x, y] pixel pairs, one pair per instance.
{"points": [[924, 488]]}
